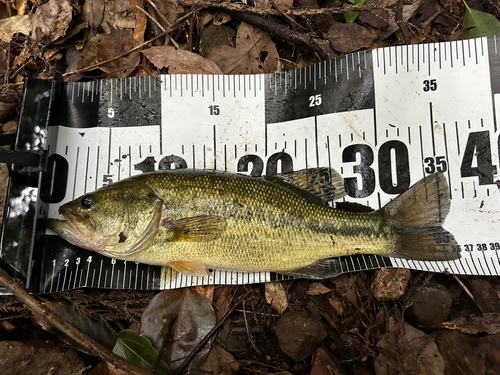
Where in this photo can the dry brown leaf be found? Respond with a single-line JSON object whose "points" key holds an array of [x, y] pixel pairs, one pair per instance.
{"points": [[275, 295], [220, 362], [13, 25], [103, 47], [350, 37], [51, 20], [141, 20], [220, 18], [93, 13], [255, 53], [206, 291], [316, 289], [179, 61], [20, 6]]}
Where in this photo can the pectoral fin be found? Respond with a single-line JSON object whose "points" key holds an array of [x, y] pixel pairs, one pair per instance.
{"points": [[192, 268], [195, 229]]}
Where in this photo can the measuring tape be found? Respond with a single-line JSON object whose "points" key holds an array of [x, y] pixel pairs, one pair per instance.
{"points": [[384, 119]]}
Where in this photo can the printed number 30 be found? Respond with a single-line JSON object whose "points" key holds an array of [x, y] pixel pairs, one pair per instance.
{"points": [[315, 100]]}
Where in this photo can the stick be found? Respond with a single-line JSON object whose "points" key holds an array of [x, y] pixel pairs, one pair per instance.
{"points": [[212, 332], [292, 12], [322, 47], [37, 307], [116, 57]]}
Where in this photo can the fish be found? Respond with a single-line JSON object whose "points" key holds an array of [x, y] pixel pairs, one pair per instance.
{"points": [[196, 221]]}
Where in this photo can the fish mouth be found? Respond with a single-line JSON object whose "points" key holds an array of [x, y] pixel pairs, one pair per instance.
{"points": [[74, 223]]}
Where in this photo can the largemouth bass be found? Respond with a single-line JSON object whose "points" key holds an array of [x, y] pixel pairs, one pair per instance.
{"points": [[194, 221]]}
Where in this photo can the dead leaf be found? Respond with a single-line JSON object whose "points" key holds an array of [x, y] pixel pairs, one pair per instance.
{"points": [[324, 363], [206, 291], [51, 20], [179, 61], [13, 25], [220, 18], [316, 289], [178, 319], [103, 47], [473, 324], [93, 13], [407, 350], [275, 295], [20, 6], [350, 37], [346, 287], [220, 362], [141, 20], [255, 53]]}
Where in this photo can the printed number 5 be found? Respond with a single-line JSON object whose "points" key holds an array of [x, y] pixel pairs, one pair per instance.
{"points": [[111, 112], [315, 100], [430, 84]]}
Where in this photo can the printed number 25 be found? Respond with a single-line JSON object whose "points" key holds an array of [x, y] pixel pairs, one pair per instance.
{"points": [[430, 85], [315, 100]]}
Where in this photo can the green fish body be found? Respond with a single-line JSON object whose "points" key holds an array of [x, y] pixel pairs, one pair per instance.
{"points": [[194, 221]]}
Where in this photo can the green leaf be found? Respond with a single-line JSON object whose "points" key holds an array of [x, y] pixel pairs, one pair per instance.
{"points": [[484, 24], [350, 17], [139, 351]]}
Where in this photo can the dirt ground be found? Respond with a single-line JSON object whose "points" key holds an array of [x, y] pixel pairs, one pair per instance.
{"points": [[377, 322]]}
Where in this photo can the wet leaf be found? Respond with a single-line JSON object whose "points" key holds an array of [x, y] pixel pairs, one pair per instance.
{"points": [[350, 37], [404, 347], [139, 351], [179, 61], [187, 315], [316, 289], [254, 53], [483, 24], [351, 17], [220, 362], [13, 25], [474, 324], [91, 327], [51, 20], [276, 297]]}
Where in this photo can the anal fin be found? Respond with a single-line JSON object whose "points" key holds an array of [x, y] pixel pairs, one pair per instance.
{"points": [[191, 268], [323, 269]]}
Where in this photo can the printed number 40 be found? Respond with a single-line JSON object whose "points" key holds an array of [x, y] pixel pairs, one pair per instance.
{"points": [[315, 100]]}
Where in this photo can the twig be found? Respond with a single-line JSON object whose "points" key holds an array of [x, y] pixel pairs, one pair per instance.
{"points": [[212, 332], [160, 13], [292, 12], [116, 57], [401, 23], [464, 288], [35, 305], [288, 17], [322, 47], [151, 18], [250, 336]]}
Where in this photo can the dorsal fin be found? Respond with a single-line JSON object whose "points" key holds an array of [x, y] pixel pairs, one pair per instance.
{"points": [[324, 183]]}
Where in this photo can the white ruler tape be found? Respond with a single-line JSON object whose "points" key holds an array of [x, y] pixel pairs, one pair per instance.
{"points": [[384, 119]]}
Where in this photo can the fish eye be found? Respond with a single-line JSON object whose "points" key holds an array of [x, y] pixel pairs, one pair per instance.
{"points": [[88, 201]]}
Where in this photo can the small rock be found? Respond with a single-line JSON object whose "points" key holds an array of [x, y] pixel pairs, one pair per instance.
{"points": [[390, 284], [38, 357], [299, 334], [431, 305], [9, 127]]}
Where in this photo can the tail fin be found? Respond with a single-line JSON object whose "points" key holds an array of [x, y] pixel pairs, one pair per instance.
{"points": [[418, 215]]}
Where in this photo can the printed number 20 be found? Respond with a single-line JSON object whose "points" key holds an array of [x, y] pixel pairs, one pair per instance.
{"points": [[315, 100]]}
